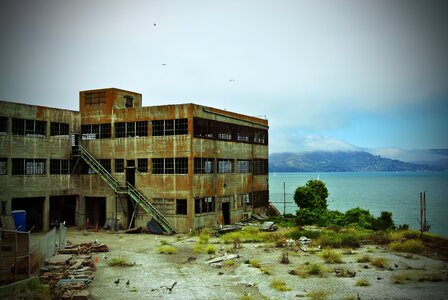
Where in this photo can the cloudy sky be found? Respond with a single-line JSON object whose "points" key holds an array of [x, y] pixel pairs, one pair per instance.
{"points": [[328, 75]]}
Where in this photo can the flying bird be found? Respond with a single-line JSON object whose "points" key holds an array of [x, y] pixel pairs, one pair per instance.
{"points": [[117, 281], [155, 24]]}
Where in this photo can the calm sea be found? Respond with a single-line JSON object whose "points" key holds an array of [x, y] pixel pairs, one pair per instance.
{"points": [[398, 192]]}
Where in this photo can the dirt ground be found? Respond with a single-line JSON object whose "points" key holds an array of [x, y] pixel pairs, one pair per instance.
{"points": [[196, 279]]}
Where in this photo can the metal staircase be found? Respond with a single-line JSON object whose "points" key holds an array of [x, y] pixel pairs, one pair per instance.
{"points": [[130, 190]]}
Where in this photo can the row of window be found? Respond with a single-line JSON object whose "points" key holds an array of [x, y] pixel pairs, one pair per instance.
{"points": [[179, 165], [33, 127], [211, 165], [211, 129]]}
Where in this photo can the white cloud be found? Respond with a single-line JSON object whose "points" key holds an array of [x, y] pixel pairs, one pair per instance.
{"points": [[309, 143]]}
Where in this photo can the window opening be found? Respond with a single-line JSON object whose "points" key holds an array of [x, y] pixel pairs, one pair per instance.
{"points": [[181, 206], [142, 165], [119, 165]]}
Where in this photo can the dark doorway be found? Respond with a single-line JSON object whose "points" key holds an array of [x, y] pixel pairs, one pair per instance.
{"points": [[130, 176], [62, 208], [226, 212], [130, 179], [96, 211], [34, 207]]}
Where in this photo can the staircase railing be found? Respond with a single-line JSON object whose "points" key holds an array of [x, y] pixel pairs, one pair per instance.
{"points": [[135, 194]]}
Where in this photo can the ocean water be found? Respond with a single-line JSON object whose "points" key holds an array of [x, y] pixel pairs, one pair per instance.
{"points": [[398, 192]]}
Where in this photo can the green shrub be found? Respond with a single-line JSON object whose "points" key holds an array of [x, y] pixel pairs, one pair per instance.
{"points": [[307, 269], [362, 282], [409, 246], [266, 270], [363, 259], [380, 262], [255, 263], [384, 221], [380, 237], [359, 217], [228, 263], [166, 249], [295, 234], [210, 249], [279, 285], [119, 262], [249, 234], [331, 256], [204, 236], [317, 295]]}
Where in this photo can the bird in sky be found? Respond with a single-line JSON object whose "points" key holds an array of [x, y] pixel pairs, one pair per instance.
{"points": [[163, 64], [231, 80], [155, 24]]}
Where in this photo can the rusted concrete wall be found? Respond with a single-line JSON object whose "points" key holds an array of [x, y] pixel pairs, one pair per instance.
{"points": [[49, 147]]}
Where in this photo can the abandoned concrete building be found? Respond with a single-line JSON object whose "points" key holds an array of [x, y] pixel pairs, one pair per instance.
{"points": [[183, 166]]}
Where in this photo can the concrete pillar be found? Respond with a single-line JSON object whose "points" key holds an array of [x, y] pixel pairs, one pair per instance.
{"points": [[46, 214]]}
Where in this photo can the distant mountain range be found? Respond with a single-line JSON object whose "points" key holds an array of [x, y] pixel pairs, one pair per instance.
{"points": [[348, 161]]}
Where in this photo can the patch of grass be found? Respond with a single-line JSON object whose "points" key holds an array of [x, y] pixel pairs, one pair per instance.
{"points": [[404, 235], [350, 297], [317, 295], [284, 258], [306, 270], [295, 234], [362, 282], [166, 249], [246, 297], [39, 291], [380, 262], [229, 263], [249, 234], [279, 285], [266, 270], [363, 259], [210, 249], [164, 242], [342, 239], [133, 290], [119, 262], [408, 246], [255, 263], [380, 237], [331, 256], [432, 277], [400, 278], [204, 236], [198, 248]]}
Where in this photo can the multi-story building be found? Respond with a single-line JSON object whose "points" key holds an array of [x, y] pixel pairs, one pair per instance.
{"points": [[185, 166]]}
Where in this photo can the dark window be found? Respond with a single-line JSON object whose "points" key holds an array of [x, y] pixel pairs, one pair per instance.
{"points": [[129, 101], [59, 166], [260, 199], [106, 164], [130, 129], [29, 127], [243, 166], [247, 199], [203, 165], [225, 131], [181, 126], [169, 127], [3, 125], [142, 165], [208, 204], [141, 128], [157, 166], [130, 163], [181, 165], [95, 131], [95, 97], [158, 128], [225, 165], [169, 165], [3, 166], [260, 167], [260, 136], [120, 129], [197, 206], [59, 129], [119, 165], [181, 206], [25, 166]]}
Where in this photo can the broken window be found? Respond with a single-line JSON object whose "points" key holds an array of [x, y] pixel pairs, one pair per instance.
{"points": [[225, 131], [59, 129], [29, 127], [25, 166], [169, 127], [120, 129], [59, 166], [260, 167], [95, 131], [3, 166], [130, 129], [197, 205], [119, 165], [208, 204], [260, 136], [203, 165], [3, 125], [181, 206], [246, 199], [170, 165], [94, 97], [141, 128], [243, 166], [129, 101], [260, 199], [142, 165], [225, 165]]}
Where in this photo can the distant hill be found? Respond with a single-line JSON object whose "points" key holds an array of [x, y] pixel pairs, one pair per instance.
{"points": [[350, 161]]}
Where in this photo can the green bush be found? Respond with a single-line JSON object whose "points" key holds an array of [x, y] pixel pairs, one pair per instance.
{"points": [[204, 236], [331, 256], [249, 234], [409, 246], [210, 249], [119, 262], [166, 249], [279, 285], [362, 282]]}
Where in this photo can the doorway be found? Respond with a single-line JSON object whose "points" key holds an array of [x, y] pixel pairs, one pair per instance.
{"points": [[130, 180], [62, 208], [226, 212], [95, 210]]}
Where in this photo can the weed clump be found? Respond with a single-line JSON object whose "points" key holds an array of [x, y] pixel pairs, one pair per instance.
{"points": [[280, 285], [363, 259], [317, 295], [305, 270], [255, 263], [409, 246], [362, 282], [249, 234], [380, 262], [331, 256], [210, 249], [166, 249], [119, 262]]}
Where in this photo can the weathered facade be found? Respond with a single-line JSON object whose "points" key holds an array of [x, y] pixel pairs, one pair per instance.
{"points": [[195, 165]]}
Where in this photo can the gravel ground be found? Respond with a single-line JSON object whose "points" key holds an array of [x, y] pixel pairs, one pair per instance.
{"points": [[196, 279]]}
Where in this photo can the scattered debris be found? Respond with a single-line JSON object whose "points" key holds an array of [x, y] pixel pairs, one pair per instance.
{"points": [[268, 226], [344, 273], [222, 258], [134, 230]]}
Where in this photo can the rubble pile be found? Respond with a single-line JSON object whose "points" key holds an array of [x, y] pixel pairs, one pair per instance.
{"points": [[69, 272]]}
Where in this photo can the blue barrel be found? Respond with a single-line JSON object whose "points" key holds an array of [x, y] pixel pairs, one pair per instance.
{"points": [[19, 217]]}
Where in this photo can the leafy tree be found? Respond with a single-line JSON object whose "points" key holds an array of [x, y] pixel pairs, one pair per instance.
{"points": [[360, 217], [384, 221], [313, 195]]}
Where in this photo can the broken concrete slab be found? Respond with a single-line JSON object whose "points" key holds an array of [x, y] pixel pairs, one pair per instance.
{"points": [[59, 259], [222, 258]]}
